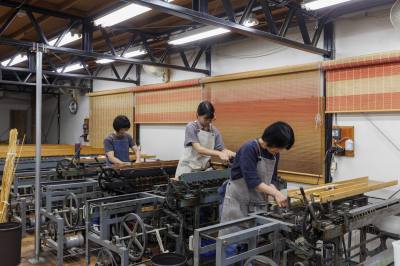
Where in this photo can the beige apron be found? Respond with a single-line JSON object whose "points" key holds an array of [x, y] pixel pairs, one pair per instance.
{"points": [[193, 161], [239, 200]]}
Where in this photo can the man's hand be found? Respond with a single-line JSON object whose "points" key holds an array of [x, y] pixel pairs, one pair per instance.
{"points": [[223, 156], [229, 153], [280, 199]]}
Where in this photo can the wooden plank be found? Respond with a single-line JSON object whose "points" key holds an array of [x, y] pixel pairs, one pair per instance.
{"points": [[356, 191], [295, 193], [102, 158], [302, 178], [148, 165], [54, 150]]}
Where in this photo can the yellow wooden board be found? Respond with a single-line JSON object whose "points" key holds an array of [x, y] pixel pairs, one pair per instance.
{"points": [[341, 189], [28, 150]]}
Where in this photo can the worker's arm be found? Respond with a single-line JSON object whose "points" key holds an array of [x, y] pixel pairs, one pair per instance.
{"points": [[208, 152], [113, 159], [280, 199], [248, 166], [138, 154]]}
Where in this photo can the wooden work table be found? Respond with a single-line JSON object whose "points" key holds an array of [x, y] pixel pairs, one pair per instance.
{"points": [[62, 150]]}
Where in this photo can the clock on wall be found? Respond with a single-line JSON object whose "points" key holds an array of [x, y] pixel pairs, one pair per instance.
{"points": [[73, 106]]}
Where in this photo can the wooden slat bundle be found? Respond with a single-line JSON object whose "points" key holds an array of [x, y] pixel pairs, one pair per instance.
{"points": [[8, 175], [341, 189], [149, 165]]}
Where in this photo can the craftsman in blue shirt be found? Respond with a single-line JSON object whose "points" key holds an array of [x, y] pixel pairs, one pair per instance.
{"points": [[254, 173]]}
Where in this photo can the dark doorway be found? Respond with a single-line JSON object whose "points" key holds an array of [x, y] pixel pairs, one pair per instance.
{"points": [[19, 120]]}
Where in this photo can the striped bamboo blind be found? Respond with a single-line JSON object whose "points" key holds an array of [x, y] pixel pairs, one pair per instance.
{"points": [[174, 102], [368, 83], [103, 109], [247, 103]]}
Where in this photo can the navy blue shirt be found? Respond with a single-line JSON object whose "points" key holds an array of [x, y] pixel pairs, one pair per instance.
{"points": [[245, 163]]}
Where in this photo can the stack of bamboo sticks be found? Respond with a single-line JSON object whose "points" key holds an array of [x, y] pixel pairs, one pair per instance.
{"points": [[8, 175]]}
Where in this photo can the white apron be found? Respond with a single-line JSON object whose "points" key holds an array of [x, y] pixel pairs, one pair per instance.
{"points": [[192, 161]]}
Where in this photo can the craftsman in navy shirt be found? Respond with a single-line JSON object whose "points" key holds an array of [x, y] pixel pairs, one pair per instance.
{"points": [[245, 164]]}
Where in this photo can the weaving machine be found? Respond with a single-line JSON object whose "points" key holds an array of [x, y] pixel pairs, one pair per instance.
{"points": [[137, 177], [314, 230]]}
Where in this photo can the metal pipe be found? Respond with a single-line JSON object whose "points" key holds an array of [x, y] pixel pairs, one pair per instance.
{"points": [[38, 148]]}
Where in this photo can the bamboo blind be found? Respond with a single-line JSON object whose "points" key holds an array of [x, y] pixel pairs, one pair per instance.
{"points": [[367, 83], [248, 102], [103, 109], [175, 102]]}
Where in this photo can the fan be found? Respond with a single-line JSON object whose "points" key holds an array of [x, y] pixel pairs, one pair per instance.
{"points": [[395, 15], [156, 71]]}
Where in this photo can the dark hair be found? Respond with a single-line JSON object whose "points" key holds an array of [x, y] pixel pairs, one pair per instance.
{"points": [[279, 135], [121, 122], [206, 108]]}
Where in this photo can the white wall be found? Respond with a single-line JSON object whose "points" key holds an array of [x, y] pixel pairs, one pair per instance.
{"points": [[356, 35], [374, 155], [166, 141]]}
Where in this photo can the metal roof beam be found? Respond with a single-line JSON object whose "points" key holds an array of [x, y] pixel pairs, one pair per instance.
{"points": [[207, 19]]}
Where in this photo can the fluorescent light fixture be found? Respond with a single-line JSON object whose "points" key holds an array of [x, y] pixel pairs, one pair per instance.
{"points": [[319, 4], [104, 61], [70, 68], [198, 34], [17, 59], [122, 14], [135, 53], [68, 38], [131, 54]]}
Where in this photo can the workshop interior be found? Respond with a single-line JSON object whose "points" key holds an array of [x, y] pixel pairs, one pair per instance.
{"points": [[194, 132]]}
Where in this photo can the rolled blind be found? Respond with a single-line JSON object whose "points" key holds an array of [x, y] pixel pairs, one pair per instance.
{"points": [[363, 84], [174, 102], [103, 109], [247, 103]]}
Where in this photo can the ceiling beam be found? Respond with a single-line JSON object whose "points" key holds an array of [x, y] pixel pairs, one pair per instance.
{"points": [[206, 19], [94, 55], [40, 10]]}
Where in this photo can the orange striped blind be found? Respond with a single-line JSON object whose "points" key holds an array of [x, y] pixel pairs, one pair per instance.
{"points": [[363, 84], [245, 106], [175, 102]]}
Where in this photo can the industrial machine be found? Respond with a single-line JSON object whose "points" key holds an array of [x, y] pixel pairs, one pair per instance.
{"points": [[136, 178], [124, 226], [54, 169], [315, 229], [129, 227], [63, 215]]}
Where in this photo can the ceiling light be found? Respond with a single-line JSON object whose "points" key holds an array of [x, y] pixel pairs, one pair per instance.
{"points": [[16, 60], [131, 54], [68, 38], [135, 53], [251, 21], [198, 34], [122, 14], [319, 4], [104, 61], [70, 68]]}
